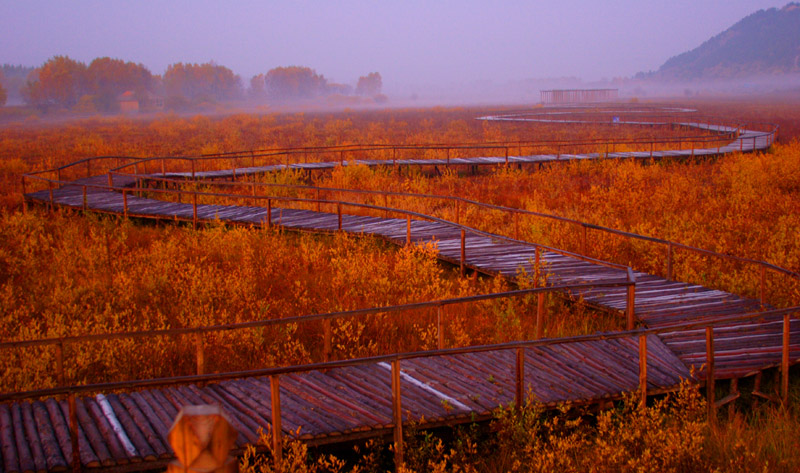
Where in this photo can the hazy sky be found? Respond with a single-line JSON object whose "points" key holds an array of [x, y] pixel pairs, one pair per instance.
{"points": [[408, 41]]}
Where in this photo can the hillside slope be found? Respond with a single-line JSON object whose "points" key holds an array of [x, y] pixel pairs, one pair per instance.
{"points": [[764, 43]]}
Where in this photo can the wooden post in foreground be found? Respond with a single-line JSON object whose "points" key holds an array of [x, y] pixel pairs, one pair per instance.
{"points": [[397, 415], [710, 393], [202, 437]]}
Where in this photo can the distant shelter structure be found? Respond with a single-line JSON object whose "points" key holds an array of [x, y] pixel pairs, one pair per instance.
{"points": [[578, 95]]}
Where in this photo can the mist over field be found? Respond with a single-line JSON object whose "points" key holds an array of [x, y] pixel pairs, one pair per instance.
{"points": [[442, 51]]}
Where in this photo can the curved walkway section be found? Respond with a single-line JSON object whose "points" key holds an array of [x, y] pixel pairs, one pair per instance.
{"points": [[129, 430]]}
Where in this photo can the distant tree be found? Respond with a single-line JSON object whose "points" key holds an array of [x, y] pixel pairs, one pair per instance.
{"points": [[370, 84], [3, 94], [60, 81], [198, 82], [294, 82], [108, 78], [13, 79], [258, 88]]}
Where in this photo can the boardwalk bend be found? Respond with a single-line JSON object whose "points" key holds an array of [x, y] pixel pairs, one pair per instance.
{"points": [[673, 326]]}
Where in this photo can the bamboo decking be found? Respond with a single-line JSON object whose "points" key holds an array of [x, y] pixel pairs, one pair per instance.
{"points": [[128, 431]]}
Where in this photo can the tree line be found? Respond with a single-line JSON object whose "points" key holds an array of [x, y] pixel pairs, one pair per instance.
{"points": [[62, 82]]}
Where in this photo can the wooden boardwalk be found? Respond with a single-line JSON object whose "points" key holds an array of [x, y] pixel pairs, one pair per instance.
{"points": [[128, 431], [748, 141]]}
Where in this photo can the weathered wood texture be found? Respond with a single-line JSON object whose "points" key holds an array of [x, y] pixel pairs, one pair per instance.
{"points": [[130, 429]]}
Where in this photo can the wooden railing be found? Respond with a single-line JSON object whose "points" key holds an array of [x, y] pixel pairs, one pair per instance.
{"points": [[395, 361], [459, 206], [61, 344]]}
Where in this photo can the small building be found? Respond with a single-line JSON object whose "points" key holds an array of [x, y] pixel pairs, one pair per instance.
{"points": [[128, 102], [132, 102], [578, 95]]}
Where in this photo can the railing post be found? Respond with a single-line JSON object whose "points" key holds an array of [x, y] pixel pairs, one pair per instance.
{"points": [[408, 230], [194, 210], [110, 180], [85, 199], [73, 434], [397, 415], [540, 314], [199, 353], [583, 242], [516, 226], [520, 377], [458, 212], [61, 375], [710, 374], [785, 361], [537, 266], [439, 333], [125, 202], [339, 213], [643, 369], [277, 440], [506, 156], [50, 190], [192, 169], [669, 261], [326, 343], [463, 253], [631, 301]]}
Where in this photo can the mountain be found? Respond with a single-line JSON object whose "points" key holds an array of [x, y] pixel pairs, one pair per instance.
{"points": [[764, 43]]}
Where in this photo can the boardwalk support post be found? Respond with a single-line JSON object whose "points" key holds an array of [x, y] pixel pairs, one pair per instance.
{"points": [[643, 369], [520, 378], [785, 361], [277, 440], [463, 253], [397, 415], [631, 301], [712, 414]]}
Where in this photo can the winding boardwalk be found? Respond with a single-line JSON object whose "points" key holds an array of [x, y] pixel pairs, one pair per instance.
{"points": [[128, 431]]}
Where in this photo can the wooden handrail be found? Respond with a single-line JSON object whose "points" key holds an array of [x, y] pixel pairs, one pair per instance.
{"points": [[216, 377]]}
